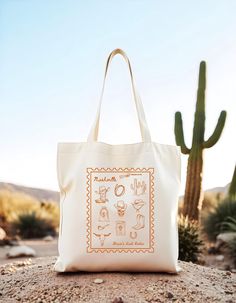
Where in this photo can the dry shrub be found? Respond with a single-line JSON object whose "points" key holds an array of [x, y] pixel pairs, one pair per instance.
{"points": [[14, 204]]}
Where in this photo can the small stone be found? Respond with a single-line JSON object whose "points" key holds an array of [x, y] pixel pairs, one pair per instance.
{"points": [[169, 295], [48, 238], [118, 300], [228, 292], [212, 250], [228, 273], [150, 289], [220, 258], [98, 281]]}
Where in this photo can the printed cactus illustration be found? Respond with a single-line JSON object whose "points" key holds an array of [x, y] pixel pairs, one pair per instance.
{"points": [[138, 187], [192, 198], [232, 187]]}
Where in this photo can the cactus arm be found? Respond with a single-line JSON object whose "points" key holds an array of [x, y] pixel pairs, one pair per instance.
{"points": [[232, 187], [179, 134], [217, 132]]}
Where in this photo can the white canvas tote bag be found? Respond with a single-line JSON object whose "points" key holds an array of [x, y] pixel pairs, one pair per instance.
{"points": [[118, 202]]}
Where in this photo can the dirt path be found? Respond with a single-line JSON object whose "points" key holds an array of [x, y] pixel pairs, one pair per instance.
{"points": [[35, 281]]}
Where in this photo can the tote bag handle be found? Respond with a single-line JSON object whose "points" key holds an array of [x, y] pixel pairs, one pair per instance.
{"points": [[93, 135]]}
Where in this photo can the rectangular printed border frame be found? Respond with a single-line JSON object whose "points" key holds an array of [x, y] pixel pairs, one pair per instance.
{"points": [[88, 219]]}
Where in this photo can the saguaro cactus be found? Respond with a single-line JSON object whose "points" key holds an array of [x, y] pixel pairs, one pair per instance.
{"points": [[192, 197], [232, 187]]}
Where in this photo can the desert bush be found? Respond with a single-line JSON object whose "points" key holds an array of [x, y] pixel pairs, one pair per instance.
{"points": [[229, 225], [15, 204], [212, 223], [30, 225], [210, 201], [189, 240], [50, 211]]}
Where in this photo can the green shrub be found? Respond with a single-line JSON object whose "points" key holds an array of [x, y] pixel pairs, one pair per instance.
{"points": [[30, 225], [229, 225], [189, 241], [212, 223]]}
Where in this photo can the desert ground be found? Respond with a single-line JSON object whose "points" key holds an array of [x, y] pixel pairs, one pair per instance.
{"points": [[34, 280]]}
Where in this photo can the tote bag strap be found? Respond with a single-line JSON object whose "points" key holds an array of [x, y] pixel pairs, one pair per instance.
{"points": [[93, 135]]}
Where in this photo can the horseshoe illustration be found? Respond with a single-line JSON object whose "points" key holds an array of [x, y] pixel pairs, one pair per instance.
{"points": [[119, 190], [133, 234]]}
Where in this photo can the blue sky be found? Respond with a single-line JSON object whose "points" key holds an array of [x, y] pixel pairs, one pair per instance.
{"points": [[52, 60]]}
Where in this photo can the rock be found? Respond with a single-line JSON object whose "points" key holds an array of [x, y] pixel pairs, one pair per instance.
{"points": [[150, 289], [220, 258], [224, 238], [48, 238], [21, 251], [2, 234], [98, 281], [212, 250], [169, 295], [227, 267], [118, 300]]}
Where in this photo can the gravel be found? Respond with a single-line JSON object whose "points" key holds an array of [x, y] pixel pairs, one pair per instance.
{"points": [[34, 280]]}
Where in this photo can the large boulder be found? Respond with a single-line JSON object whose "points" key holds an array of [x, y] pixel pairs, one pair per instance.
{"points": [[224, 238]]}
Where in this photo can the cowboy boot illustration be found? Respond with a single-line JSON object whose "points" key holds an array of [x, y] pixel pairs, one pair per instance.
{"points": [[140, 222], [102, 192]]}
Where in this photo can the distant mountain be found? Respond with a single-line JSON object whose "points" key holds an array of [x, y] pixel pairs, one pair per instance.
{"points": [[45, 194], [38, 193], [223, 189]]}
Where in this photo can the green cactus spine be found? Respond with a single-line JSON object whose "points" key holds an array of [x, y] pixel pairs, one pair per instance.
{"points": [[192, 197], [232, 187]]}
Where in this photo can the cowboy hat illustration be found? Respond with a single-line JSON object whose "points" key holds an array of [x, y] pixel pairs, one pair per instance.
{"points": [[138, 204]]}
